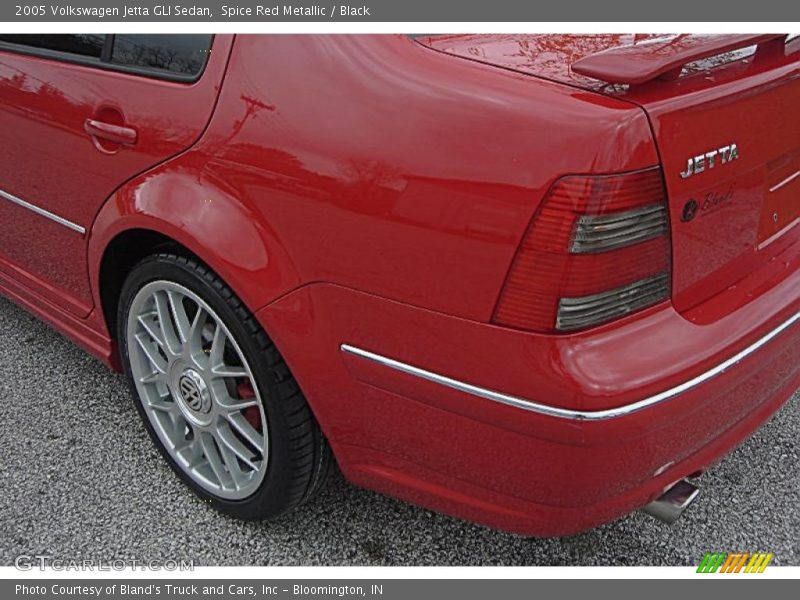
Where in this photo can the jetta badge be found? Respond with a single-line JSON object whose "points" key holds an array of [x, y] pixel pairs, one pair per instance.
{"points": [[709, 160]]}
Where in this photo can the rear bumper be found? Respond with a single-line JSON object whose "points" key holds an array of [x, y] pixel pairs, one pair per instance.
{"points": [[550, 516], [592, 460], [557, 487]]}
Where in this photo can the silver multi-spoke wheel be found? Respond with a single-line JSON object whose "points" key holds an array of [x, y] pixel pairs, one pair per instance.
{"points": [[197, 390]]}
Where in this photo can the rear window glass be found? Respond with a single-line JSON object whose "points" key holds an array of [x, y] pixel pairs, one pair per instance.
{"points": [[88, 45], [184, 54]]}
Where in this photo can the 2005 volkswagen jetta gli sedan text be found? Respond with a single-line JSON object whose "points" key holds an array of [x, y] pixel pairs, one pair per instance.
{"points": [[534, 281]]}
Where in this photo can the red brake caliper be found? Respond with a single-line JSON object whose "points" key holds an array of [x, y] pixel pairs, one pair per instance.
{"points": [[252, 414]]}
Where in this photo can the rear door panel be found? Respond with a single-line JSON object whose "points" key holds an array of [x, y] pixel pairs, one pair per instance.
{"points": [[48, 160]]}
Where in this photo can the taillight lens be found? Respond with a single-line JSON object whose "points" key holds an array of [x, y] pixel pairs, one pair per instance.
{"points": [[597, 249]]}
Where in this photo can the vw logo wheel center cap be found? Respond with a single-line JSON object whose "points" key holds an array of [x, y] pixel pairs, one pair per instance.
{"points": [[192, 395]]}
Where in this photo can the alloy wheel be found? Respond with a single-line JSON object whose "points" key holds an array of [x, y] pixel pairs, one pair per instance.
{"points": [[197, 390]]}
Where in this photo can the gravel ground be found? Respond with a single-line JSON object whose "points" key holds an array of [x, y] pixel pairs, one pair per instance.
{"points": [[80, 479]]}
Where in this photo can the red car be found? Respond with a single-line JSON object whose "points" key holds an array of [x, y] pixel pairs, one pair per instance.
{"points": [[534, 281]]}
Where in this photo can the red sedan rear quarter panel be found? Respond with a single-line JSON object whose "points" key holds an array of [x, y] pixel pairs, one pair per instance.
{"points": [[390, 168]]}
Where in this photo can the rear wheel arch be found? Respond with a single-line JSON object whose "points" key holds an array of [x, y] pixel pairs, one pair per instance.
{"points": [[129, 248], [119, 258], [173, 208]]}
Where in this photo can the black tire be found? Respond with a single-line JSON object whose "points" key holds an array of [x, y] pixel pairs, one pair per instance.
{"points": [[299, 456]]}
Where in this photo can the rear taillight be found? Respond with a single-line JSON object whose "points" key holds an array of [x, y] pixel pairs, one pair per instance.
{"points": [[597, 249]]}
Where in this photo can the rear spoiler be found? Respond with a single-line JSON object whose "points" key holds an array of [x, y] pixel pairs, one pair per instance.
{"points": [[664, 58]]}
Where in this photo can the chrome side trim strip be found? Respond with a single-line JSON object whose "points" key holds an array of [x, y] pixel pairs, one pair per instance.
{"points": [[785, 182], [42, 212], [564, 413]]}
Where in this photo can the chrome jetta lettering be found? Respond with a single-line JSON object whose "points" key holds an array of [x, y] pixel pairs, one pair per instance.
{"points": [[709, 160]]}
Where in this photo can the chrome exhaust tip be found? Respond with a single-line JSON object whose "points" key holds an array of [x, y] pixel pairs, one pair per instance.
{"points": [[670, 505]]}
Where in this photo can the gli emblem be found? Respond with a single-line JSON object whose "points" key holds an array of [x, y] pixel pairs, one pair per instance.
{"points": [[689, 210]]}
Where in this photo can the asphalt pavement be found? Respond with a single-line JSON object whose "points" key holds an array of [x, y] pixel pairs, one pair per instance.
{"points": [[80, 479]]}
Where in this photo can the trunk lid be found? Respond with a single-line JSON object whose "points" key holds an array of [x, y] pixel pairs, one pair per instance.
{"points": [[725, 115]]}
